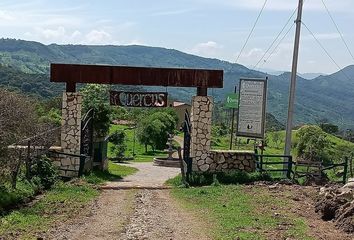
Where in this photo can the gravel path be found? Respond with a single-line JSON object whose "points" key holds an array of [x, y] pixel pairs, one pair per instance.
{"points": [[148, 176], [156, 216], [137, 207]]}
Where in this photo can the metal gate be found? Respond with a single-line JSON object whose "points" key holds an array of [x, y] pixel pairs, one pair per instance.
{"points": [[187, 160], [86, 148]]}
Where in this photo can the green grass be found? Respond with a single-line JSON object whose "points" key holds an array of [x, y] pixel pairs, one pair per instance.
{"points": [[139, 149], [65, 200], [338, 149], [62, 202], [114, 172], [232, 177], [11, 197], [239, 211]]}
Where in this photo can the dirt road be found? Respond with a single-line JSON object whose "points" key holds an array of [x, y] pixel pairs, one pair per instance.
{"points": [[138, 207]]}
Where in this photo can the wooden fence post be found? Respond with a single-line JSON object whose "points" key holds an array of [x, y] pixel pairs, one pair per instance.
{"points": [[345, 170], [290, 166], [28, 160]]}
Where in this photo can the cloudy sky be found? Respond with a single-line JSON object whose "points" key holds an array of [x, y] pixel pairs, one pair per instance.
{"points": [[210, 28]]}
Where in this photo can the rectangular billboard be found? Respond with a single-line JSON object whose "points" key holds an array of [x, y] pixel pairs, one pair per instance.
{"points": [[252, 108]]}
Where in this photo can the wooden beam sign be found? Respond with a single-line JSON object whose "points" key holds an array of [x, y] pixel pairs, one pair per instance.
{"points": [[138, 99]]}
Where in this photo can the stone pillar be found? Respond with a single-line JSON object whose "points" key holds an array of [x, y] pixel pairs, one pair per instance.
{"points": [[202, 107], [71, 122]]}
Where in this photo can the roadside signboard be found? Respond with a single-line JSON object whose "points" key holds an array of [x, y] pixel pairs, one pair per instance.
{"points": [[138, 99], [252, 108], [231, 100]]}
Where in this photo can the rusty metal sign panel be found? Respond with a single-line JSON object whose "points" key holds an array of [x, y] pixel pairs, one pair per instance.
{"points": [[138, 99]]}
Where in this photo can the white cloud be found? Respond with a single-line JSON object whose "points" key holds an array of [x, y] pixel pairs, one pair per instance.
{"points": [[207, 49], [53, 33], [6, 16], [98, 37], [171, 12]]}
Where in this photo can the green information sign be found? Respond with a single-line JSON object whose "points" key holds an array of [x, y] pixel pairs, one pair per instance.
{"points": [[231, 100]]}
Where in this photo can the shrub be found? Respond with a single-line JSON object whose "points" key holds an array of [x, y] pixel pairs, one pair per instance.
{"points": [[44, 173], [96, 97], [312, 144], [154, 130], [118, 143]]}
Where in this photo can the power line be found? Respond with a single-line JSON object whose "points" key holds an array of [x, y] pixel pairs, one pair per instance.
{"points": [[249, 35], [335, 24], [276, 39], [276, 47], [325, 50]]}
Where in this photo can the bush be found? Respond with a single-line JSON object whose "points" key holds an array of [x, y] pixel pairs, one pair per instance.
{"points": [[118, 143], [312, 144], [96, 97], [44, 173], [154, 130]]}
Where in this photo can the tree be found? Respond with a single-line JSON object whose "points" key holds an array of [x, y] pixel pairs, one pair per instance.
{"points": [[312, 144], [96, 97], [18, 120], [153, 130], [118, 143], [276, 138], [329, 128]]}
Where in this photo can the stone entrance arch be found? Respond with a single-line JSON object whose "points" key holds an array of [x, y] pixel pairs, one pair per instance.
{"points": [[201, 111]]}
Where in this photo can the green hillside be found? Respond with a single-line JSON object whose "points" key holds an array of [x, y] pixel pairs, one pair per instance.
{"points": [[327, 97]]}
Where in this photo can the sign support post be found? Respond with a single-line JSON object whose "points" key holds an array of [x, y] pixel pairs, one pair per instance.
{"points": [[232, 123]]}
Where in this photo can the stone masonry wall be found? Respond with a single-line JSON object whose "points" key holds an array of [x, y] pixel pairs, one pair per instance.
{"points": [[226, 160], [70, 133], [205, 159], [202, 107]]}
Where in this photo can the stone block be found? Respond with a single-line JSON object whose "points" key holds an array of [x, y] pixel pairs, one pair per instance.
{"points": [[204, 156], [209, 160], [241, 157], [213, 166], [220, 158], [204, 167], [66, 162], [225, 165], [246, 163], [201, 162]]}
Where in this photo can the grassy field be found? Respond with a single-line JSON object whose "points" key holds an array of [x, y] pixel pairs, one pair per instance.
{"points": [[114, 172], [139, 149], [243, 212], [63, 201]]}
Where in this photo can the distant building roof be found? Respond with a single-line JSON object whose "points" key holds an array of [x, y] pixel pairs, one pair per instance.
{"points": [[178, 104]]}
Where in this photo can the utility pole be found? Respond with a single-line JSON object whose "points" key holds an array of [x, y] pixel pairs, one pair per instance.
{"points": [[289, 124]]}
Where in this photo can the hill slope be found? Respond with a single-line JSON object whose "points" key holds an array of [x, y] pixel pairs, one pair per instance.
{"points": [[323, 97]]}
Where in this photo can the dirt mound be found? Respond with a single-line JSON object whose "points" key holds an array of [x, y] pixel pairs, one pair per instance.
{"points": [[337, 204]]}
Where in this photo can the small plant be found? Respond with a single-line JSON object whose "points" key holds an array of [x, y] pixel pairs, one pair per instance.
{"points": [[118, 143], [43, 173]]}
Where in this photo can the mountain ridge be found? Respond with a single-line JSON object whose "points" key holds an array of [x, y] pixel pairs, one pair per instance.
{"points": [[323, 97]]}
